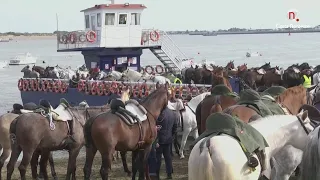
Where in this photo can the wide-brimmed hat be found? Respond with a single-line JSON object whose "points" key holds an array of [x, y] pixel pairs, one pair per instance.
{"points": [[274, 91], [249, 96], [222, 90]]}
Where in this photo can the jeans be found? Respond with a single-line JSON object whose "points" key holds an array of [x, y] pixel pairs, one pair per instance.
{"points": [[165, 150], [152, 161]]}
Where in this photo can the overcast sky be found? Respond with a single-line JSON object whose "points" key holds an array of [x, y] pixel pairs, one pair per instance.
{"points": [[40, 15]]}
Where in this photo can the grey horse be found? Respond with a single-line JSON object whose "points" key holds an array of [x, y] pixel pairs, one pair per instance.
{"points": [[27, 73]]}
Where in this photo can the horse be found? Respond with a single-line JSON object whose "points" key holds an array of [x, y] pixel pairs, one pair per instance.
{"points": [[39, 69], [188, 75], [27, 73], [50, 72], [156, 79], [187, 122], [132, 76], [311, 157], [116, 75], [41, 137], [290, 101], [223, 158], [108, 132]]}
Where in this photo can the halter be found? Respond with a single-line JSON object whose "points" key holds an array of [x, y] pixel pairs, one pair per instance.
{"points": [[303, 126]]}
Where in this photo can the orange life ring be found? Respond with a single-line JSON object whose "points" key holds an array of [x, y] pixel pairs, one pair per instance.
{"points": [[106, 88], [114, 88], [73, 38], [87, 88], [144, 90], [94, 87], [56, 86], [89, 34], [63, 87], [100, 89], [193, 90], [25, 85], [50, 85], [162, 69], [136, 91], [149, 69], [154, 36], [44, 85], [64, 39], [20, 84], [81, 86], [178, 89], [34, 85]]}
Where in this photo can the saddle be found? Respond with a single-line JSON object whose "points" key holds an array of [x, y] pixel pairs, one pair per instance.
{"points": [[313, 114], [131, 113], [28, 107]]}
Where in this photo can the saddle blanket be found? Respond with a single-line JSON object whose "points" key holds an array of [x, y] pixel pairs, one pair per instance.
{"points": [[58, 114], [261, 71], [136, 111]]}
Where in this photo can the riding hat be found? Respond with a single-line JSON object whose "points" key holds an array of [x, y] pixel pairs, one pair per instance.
{"points": [[222, 90], [274, 91]]}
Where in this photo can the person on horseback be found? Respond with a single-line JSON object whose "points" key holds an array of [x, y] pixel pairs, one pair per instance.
{"points": [[307, 78]]}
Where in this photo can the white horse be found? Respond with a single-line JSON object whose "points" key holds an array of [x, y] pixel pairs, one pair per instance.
{"points": [[224, 159], [156, 79], [132, 76], [310, 165], [116, 75]]}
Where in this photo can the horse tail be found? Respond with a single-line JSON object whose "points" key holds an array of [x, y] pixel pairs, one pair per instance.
{"points": [[200, 166], [87, 132], [13, 130], [198, 116], [310, 164]]}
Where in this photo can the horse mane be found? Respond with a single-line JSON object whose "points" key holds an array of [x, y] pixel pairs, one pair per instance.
{"points": [[293, 91], [310, 164]]}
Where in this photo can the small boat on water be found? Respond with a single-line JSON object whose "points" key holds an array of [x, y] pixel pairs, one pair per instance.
{"points": [[255, 54], [4, 40], [23, 59], [210, 34]]}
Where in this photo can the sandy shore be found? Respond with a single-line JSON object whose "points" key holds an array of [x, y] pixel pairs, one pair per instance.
{"points": [[28, 37]]}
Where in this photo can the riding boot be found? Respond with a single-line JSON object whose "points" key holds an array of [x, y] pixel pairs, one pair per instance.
{"points": [[70, 138]]}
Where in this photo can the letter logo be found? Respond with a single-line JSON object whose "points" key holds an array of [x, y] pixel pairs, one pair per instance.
{"points": [[292, 16]]}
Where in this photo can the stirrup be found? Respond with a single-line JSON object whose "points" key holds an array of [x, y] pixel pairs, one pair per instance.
{"points": [[253, 162]]}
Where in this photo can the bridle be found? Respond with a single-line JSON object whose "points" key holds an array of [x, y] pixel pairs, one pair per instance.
{"points": [[303, 126]]}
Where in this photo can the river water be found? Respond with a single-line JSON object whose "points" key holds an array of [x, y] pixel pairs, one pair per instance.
{"points": [[279, 49]]}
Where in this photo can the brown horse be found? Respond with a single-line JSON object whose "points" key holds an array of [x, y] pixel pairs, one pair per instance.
{"points": [[31, 132], [5, 142], [108, 132], [290, 101]]}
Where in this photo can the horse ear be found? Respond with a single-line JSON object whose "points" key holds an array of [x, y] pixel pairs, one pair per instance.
{"points": [[166, 85], [303, 115], [157, 85]]}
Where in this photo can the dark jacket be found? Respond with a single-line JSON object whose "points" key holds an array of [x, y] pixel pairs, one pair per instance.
{"points": [[168, 121]]}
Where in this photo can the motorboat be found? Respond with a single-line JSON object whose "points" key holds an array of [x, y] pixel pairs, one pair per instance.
{"points": [[255, 54], [4, 40], [23, 59]]}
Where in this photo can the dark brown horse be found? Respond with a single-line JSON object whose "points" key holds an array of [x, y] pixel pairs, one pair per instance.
{"points": [[31, 132], [40, 70], [108, 132]]}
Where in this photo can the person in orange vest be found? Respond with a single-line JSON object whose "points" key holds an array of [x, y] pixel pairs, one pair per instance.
{"points": [[307, 79]]}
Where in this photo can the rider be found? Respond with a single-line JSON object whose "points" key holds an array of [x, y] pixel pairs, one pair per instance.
{"points": [[307, 79]]}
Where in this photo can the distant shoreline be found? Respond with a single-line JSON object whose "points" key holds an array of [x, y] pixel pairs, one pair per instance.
{"points": [[32, 37]]}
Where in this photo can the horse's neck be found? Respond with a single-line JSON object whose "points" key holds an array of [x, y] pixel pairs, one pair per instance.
{"points": [[227, 101], [292, 103]]}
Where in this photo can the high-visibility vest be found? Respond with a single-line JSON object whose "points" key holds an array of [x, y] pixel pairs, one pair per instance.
{"points": [[307, 81], [177, 81]]}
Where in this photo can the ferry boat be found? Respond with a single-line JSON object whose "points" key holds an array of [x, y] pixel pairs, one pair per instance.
{"points": [[113, 38], [23, 59]]}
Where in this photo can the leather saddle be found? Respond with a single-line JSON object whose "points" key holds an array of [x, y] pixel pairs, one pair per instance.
{"points": [[18, 108], [130, 112]]}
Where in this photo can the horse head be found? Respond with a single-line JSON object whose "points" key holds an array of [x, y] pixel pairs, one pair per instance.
{"points": [[26, 69]]}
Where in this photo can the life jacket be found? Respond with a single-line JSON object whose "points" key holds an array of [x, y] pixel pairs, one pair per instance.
{"points": [[307, 81], [177, 81]]}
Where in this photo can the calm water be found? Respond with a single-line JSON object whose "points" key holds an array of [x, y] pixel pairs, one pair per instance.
{"points": [[279, 49]]}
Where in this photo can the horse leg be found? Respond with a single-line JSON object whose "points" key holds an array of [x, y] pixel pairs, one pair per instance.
{"points": [[5, 154], [43, 163], [73, 154], [106, 164], [143, 163], [53, 170], [185, 135], [124, 162], [16, 150], [90, 153], [27, 155], [34, 165], [134, 164], [176, 144]]}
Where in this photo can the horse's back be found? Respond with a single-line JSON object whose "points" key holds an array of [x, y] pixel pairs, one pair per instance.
{"points": [[227, 160], [5, 121]]}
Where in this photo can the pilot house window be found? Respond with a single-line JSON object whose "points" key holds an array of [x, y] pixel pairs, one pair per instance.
{"points": [[99, 20], [109, 18], [135, 18], [87, 21], [122, 18]]}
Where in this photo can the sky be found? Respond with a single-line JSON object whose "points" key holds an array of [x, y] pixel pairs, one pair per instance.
{"points": [[40, 15]]}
